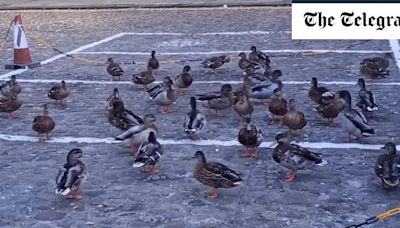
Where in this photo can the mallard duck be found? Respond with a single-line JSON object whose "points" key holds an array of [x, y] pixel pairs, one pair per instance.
{"points": [[138, 133], [294, 157], [374, 68], [59, 93], [144, 78], [243, 106], [11, 86], [315, 92], [215, 62], [366, 99], [331, 105], [43, 125], [294, 119], [183, 81], [113, 98], [194, 121], [258, 57], [354, 121], [163, 95], [256, 77], [250, 137], [71, 175], [265, 89], [114, 69], [122, 118], [214, 174], [278, 105], [10, 104], [153, 62], [149, 153], [387, 167], [219, 100], [244, 62]]}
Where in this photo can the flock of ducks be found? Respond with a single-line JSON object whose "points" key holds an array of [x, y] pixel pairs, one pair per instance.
{"points": [[260, 82]]}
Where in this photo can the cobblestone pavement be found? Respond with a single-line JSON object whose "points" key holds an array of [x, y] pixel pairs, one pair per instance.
{"points": [[343, 192]]}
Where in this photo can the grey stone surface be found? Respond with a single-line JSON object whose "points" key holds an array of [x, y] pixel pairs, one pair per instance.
{"points": [[343, 192]]}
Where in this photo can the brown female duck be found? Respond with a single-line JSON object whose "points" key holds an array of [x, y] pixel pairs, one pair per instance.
{"points": [[375, 68], [113, 98], [277, 106], [215, 62], [330, 107], [294, 119], [243, 106], [219, 100], [43, 125], [250, 137], [10, 87], [315, 92], [153, 62], [59, 93], [144, 78], [214, 174], [114, 69], [183, 81], [10, 104]]}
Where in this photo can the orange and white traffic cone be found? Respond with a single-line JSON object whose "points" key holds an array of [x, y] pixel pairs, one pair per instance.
{"points": [[22, 56]]}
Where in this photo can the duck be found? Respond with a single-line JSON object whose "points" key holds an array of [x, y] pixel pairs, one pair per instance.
{"points": [[43, 125], [219, 100], [113, 98], [149, 153], [330, 107], [366, 99], [215, 62], [265, 89], [10, 104], [250, 137], [194, 121], [59, 93], [243, 106], [315, 92], [375, 67], [144, 78], [153, 63], [122, 118], [293, 156], [114, 69], [294, 120], [11, 86], [387, 166], [278, 106], [258, 57], [256, 77], [137, 134], [354, 121], [244, 62], [71, 175], [184, 80], [214, 174], [163, 95]]}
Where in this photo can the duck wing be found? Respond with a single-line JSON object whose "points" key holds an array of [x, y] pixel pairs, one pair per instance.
{"points": [[359, 121]]}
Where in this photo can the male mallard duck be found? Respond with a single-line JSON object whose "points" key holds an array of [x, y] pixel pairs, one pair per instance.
{"points": [[265, 89], [294, 157], [244, 62], [144, 78], [354, 121], [278, 105], [250, 137], [330, 107], [215, 62], [294, 119], [71, 175], [374, 68], [194, 121], [10, 104], [59, 93], [122, 118], [387, 167], [114, 69], [163, 95], [214, 174], [153, 62], [243, 106], [183, 81], [220, 100], [138, 133], [259, 57], [366, 99], [149, 153], [315, 92], [43, 125], [113, 98], [11, 86]]}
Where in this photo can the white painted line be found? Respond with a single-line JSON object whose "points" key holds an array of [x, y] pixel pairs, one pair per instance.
{"points": [[206, 33], [394, 45], [54, 58], [235, 52], [90, 82], [312, 145]]}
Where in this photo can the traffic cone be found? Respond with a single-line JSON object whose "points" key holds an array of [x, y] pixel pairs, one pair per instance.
{"points": [[22, 56]]}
